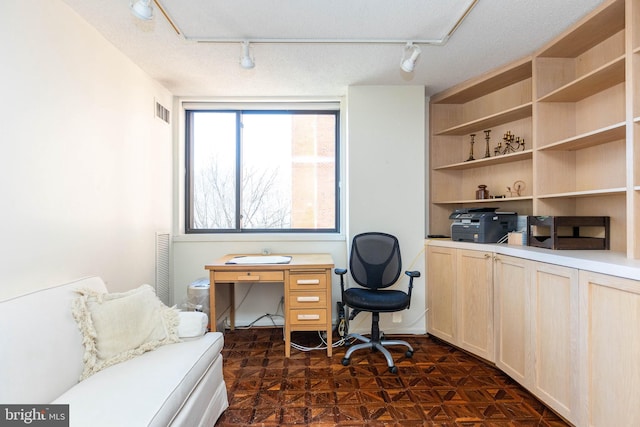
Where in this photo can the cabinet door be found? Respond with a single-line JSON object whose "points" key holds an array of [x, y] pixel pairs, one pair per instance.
{"points": [[554, 337], [474, 301], [610, 350], [511, 317], [441, 275]]}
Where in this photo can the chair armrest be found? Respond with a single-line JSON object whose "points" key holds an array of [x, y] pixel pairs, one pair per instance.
{"points": [[412, 275], [341, 272]]}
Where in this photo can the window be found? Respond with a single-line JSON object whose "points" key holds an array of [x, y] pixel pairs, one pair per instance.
{"points": [[262, 170]]}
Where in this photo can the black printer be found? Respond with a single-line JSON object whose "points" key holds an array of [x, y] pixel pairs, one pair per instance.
{"points": [[481, 225]]}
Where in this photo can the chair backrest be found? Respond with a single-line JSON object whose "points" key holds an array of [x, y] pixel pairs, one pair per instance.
{"points": [[375, 260]]}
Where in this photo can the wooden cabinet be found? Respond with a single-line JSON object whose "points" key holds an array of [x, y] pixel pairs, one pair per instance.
{"points": [[441, 296], [460, 293], [576, 103], [512, 311], [554, 332], [536, 325], [570, 336], [474, 302], [610, 350]]}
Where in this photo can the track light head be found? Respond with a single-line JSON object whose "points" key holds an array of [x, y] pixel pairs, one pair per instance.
{"points": [[246, 61], [407, 65], [142, 9]]}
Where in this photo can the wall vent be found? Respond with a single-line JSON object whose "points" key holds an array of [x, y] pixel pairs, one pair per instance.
{"points": [[163, 262], [163, 113]]}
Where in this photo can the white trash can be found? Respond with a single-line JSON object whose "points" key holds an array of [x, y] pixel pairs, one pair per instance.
{"points": [[198, 296]]}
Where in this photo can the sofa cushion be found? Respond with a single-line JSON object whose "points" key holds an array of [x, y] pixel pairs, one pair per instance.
{"points": [[147, 390], [119, 326]]}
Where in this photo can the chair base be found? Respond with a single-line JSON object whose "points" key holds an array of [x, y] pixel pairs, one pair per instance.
{"points": [[378, 345]]}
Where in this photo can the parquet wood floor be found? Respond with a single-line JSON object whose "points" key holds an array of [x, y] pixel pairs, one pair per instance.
{"points": [[438, 386]]}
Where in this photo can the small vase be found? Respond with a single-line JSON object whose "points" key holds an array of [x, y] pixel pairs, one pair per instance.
{"points": [[482, 192]]}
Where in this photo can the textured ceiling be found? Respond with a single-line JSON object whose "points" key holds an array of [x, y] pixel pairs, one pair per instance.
{"points": [[495, 32], [332, 20]]}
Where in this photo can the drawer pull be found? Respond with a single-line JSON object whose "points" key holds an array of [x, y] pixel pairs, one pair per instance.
{"points": [[308, 317], [249, 278], [308, 299], [308, 281]]}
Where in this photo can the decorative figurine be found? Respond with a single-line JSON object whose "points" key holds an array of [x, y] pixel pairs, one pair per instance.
{"points": [[482, 192], [517, 189]]}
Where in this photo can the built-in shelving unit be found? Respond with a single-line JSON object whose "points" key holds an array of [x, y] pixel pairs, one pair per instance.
{"points": [[580, 97], [499, 102], [633, 89]]}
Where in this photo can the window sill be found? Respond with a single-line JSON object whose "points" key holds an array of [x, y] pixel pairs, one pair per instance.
{"points": [[260, 237]]}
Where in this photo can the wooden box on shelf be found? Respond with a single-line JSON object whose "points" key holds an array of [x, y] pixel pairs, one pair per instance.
{"points": [[557, 239]]}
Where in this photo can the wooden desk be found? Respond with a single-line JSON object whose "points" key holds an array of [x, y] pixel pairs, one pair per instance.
{"points": [[307, 290]]}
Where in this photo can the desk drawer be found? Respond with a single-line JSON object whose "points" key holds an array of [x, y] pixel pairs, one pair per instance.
{"points": [[248, 276], [309, 316], [299, 282], [308, 299]]}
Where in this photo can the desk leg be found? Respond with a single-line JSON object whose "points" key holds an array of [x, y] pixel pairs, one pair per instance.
{"points": [[232, 306], [213, 327]]}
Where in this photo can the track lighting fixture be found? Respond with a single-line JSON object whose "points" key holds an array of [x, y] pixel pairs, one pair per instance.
{"points": [[407, 64], [142, 9], [246, 61]]}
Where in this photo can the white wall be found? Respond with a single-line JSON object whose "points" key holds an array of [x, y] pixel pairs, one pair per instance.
{"points": [[383, 175], [386, 191], [85, 167]]}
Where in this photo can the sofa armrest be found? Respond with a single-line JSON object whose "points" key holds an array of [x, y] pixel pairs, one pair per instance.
{"points": [[192, 324]]}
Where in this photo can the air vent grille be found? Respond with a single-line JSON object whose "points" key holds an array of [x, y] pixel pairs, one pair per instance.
{"points": [[163, 113], [163, 289]]}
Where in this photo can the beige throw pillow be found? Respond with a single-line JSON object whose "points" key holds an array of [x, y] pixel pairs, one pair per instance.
{"points": [[119, 326]]}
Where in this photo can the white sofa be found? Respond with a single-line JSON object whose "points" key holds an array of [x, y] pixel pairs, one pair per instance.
{"points": [[41, 360]]}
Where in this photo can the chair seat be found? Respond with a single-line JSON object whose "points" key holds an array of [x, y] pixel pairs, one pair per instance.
{"points": [[380, 301]]}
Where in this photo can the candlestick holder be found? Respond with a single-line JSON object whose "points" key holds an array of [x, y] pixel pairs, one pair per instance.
{"points": [[486, 147], [473, 135]]}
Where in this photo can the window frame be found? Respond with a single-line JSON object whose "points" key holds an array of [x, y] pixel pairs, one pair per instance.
{"points": [[332, 108]]}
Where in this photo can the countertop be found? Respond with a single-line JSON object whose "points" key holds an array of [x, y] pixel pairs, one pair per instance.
{"points": [[597, 261]]}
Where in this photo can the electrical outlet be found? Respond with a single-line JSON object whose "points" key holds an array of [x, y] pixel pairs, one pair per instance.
{"points": [[397, 317]]}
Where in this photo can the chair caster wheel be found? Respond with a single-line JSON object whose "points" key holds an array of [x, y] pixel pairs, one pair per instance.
{"points": [[409, 354], [393, 369], [345, 362]]}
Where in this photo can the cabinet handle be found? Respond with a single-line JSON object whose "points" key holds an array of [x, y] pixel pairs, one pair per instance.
{"points": [[308, 317], [308, 299], [308, 281]]}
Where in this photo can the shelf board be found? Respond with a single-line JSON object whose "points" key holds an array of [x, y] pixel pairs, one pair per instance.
{"points": [[592, 31], [510, 115], [636, 50], [496, 160], [596, 81], [586, 193], [483, 201], [636, 120], [589, 139], [469, 91]]}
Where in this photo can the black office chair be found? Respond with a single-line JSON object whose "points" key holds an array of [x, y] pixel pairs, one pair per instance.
{"points": [[375, 264]]}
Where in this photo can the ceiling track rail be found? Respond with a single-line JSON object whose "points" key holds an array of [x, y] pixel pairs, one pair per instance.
{"points": [[258, 40]]}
